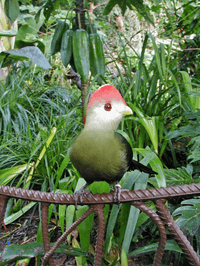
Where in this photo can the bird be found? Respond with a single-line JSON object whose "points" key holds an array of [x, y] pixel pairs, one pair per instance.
{"points": [[99, 152]]}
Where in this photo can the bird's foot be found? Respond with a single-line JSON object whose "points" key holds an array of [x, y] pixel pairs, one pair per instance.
{"points": [[79, 194], [117, 193]]}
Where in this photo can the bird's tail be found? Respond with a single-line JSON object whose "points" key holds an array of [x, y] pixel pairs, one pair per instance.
{"points": [[136, 165]]}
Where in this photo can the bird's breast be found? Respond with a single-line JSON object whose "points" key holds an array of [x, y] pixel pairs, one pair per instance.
{"points": [[99, 157]]}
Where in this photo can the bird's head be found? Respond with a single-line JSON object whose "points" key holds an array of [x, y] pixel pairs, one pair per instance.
{"points": [[105, 109]]}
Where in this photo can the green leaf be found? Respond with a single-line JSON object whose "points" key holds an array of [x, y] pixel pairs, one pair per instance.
{"points": [[61, 211], [85, 227], [31, 52], [8, 33], [12, 9], [150, 124], [123, 218], [124, 260], [129, 179], [143, 10], [39, 237], [127, 183], [141, 183], [18, 214], [110, 227], [69, 218], [170, 245], [24, 261], [123, 5], [179, 176], [47, 143], [51, 207], [81, 182], [110, 6], [189, 215], [195, 152], [156, 164], [193, 99], [106, 212], [157, 56], [99, 187], [126, 136], [174, 79], [31, 250], [7, 174], [61, 170], [138, 4]]}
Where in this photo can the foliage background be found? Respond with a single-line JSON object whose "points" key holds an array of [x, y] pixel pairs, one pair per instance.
{"points": [[152, 57]]}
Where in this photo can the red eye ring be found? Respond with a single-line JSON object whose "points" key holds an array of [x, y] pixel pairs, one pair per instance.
{"points": [[108, 106]]}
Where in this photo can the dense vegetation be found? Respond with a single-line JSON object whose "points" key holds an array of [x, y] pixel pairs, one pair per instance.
{"points": [[155, 67]]}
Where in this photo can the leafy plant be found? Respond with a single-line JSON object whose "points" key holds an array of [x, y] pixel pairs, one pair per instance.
{"points": [[187, 217], [40, 117], [142, 8]]}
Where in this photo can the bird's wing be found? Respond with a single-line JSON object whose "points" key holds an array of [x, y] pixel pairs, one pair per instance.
{"points": [[128, 150], [133, 164]]}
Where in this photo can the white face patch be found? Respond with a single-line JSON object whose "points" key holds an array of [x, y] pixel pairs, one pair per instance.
{"points": [[102, 119]]}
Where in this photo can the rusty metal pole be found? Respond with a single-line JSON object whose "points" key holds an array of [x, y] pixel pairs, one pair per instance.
{"points": [[45, 233], [100, 234], [3, 203], [104, 198]]}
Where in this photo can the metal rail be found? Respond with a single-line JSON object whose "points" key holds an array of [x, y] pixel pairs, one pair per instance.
{"points": [[162, 217]]}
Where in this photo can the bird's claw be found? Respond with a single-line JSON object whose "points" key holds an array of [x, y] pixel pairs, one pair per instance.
{"points": [[117, 193], [79, 194]]}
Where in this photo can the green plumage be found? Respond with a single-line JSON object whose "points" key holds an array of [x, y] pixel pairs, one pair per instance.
{"points": [[100, 156]]}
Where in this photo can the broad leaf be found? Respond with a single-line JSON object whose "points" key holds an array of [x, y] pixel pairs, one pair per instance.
{"points": [[8, 33], [110, 6], [189, 218], [170, 245], [143, 10], [156, 164], [179, 176], [99, 187], [12, 9], [31, 250], [123, 5], [33, 53]]}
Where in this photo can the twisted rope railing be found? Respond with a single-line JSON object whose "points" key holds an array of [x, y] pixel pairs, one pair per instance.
{"points": [[96, 202]]}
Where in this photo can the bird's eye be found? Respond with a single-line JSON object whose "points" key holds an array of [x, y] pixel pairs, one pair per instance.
{"points": [[107, 106]]}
